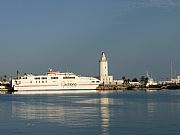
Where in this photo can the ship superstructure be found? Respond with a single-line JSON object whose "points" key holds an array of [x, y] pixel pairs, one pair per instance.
{"points": [[53, 80]]}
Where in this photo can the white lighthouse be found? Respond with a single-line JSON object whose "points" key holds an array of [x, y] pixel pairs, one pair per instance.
{"points": [[104, 77]]}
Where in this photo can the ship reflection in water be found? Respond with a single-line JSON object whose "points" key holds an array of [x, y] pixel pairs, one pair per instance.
{"points": [[70, 109]]}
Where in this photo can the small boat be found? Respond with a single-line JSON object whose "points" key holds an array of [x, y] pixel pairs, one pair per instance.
{"points": [[151, 84]]}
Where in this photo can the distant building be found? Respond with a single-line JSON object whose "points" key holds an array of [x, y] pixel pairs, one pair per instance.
{"points": [[104, 77], [176, 79], [118, 82]]}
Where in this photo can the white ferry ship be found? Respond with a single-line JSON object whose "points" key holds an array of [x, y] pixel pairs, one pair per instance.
{"points": [[54, 81]]}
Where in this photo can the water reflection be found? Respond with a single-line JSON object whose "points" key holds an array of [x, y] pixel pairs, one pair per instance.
{"points": [[37, 111], [151, 106], [99, 113], [66, 109], [104, 109]]}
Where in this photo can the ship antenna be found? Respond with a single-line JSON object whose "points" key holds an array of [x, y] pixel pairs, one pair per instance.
{"points": [[147, 74], [171, 70], [17, 74]]}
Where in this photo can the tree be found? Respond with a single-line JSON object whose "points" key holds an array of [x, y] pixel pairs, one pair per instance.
{"points": [[5, 78], [135, 80], [128, 80], [144, 80], [125, 81], [123, 78]]}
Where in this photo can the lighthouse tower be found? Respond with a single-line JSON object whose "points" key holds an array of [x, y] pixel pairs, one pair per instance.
{"points": [[103, 66], [104, 77]]}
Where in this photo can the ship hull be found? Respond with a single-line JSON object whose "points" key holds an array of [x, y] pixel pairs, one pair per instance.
{"points": [[51, 88]]}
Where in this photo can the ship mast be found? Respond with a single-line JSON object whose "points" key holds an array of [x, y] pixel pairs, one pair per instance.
{"points": [[171, 70]]}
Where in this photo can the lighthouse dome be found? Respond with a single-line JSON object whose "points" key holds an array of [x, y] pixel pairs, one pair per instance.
{"points": [[103, 57]]}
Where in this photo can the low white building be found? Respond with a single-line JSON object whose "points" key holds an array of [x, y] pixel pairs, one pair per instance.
{"points": [[135, 83], [175, 79], [118, 82]]}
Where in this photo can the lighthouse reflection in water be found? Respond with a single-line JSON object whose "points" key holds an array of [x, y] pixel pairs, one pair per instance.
{"points": [[71, 110]]}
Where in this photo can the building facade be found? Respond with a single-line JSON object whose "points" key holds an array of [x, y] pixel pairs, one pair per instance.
{"points": [[176, 80]]}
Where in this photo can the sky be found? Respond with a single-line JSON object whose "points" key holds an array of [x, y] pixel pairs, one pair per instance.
{"points": [[69, 35]]}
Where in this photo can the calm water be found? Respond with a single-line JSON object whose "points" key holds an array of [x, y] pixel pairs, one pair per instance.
{"points": [[100, 113]]}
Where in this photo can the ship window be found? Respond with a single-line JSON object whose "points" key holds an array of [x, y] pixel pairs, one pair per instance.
{"points": [[42, 81], [93, 81], [68, 77], [54, 77], [37, 78], [30, 81], [43, 77], [97, 81]]}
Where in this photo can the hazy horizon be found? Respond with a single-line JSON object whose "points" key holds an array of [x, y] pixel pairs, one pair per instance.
{"points": [[67, 35]]}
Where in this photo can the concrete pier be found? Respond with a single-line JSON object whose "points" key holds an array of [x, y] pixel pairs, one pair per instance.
{"points": [[125, 87], [112, 87]]}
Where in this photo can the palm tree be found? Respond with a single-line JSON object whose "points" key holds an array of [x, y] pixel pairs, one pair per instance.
{"points": [[128, 80], [135, 80], [124, 79]]}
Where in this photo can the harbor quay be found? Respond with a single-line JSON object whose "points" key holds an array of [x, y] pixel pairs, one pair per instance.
{"points": [[54, 80], [5, 87]]}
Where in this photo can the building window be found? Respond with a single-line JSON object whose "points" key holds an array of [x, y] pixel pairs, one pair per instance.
{"points": [[68, 77], [54, 77]]}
